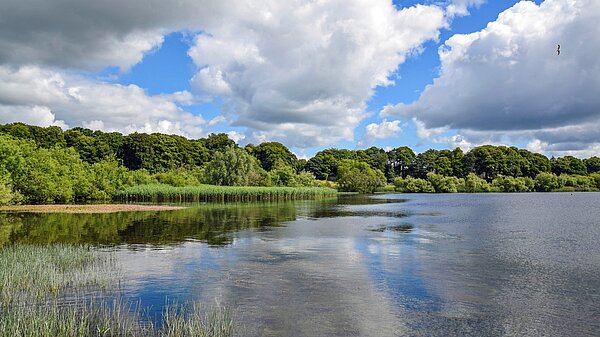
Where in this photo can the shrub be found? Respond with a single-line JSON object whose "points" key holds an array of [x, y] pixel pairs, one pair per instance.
{"points": [[413, 185], [355, 176], [546, 182]]}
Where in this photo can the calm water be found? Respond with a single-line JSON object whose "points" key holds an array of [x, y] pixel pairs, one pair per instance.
{"points": [[393, 265]]}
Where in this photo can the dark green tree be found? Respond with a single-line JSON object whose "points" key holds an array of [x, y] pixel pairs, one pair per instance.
{"points": [[270, 154]]}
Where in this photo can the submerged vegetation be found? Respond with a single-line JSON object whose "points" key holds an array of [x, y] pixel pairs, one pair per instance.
{"points": [[49, 165], [162, 192], [62, 290]]}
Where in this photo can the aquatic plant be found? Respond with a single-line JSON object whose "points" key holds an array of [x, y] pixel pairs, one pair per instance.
{"points": [[160, 192], [64, 290]]}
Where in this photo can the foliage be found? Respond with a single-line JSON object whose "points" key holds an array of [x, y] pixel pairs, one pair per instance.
{"points": [[568, 165], [283, 175], [546, 182], [7, 195], [592, 164], [413, 185], [400, 160], [474, 184], [159, 192], [48, 165], [306, 179], [511, 184], [442, 184], [324, 165], [179, 177], [355, 176], [271, 155], [231, 167]]}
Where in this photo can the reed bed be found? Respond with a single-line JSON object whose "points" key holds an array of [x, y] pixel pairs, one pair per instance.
{"points": [[111, 318], [63, 290], [212, 193], [30, 272]]}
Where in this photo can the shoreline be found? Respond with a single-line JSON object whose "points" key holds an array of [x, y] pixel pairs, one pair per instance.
{"points": [[86, 209]]}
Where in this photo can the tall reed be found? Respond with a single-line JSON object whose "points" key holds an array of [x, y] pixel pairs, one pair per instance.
{"points": [[64, 291], [161, 192]]}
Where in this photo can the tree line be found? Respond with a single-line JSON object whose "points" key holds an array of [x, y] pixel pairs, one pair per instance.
{"points": [[48, 164]]}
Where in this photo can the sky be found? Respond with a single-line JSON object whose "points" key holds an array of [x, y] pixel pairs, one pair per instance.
{"points": [[312, 74]]}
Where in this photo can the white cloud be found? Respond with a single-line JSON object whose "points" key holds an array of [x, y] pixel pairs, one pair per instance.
{"points": [[456, 141], [507, 79], [300, 71], [383, 130], [216, 120], [95, 34], [48, 97], [537, 145], [236, 136], [425, 133], [461, 7], [34, 115]]}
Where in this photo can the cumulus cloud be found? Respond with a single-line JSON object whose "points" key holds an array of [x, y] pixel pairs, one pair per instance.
{"points": [[46, 97], [383, 130], [461, 7], [293, 71], [300, 71], [94, 34], [508, 78]]}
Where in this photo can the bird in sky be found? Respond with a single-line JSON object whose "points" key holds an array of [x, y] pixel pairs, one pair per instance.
{"points": [[558, 50]]}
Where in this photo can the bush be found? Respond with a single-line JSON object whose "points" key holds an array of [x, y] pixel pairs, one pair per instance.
{"points": [[413, 185], [546, 182], [474, 184], [7, 195], [355, 176], [306, 179], [511, 184], [442, 184], [177, 177], [576, 183]]}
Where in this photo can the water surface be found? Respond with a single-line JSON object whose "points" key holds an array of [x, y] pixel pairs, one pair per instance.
{"points": [[390, 265]]}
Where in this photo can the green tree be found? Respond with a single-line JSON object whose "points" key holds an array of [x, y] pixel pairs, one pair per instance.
{"points": [[592, 164], [442, 184], [324, 165], [376, 158], [485, 161], [400, 160], [270, 154], [283, 175], [546, 182], [568, 165], [359, 177], [512, 184], [413, 185], [231, 167], [474, 184], [218, 142], [424, 163]]}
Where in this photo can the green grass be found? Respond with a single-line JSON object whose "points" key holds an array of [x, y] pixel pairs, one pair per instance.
{"points": [[63, 290], [160, 192], [38, 272]]}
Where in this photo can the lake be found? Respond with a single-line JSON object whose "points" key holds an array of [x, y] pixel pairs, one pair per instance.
{"points": [[386, 265]]}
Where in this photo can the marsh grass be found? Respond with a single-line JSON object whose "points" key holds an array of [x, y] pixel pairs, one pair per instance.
{"points": [[32, 272], [63, 290], [161, 192]]}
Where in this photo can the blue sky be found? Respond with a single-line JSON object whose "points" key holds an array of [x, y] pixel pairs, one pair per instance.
{"points": [[337, 74]]}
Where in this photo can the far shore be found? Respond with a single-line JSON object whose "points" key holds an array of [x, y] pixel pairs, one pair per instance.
{"points": [[87, 209]]}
